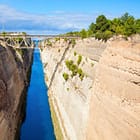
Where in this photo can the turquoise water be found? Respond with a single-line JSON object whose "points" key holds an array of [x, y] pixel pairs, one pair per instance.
{"points": [[38, 123]]}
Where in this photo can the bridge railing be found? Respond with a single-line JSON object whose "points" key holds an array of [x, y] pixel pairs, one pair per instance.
{"points": [[36, 36]]}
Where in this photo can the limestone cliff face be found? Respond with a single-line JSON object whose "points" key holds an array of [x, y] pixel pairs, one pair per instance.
{"points": [[14, 67], [105, 104], [115, 102], [71, 98]]}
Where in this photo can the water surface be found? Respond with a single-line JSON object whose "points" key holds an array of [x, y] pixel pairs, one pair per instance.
{"points": [[38, 123]]}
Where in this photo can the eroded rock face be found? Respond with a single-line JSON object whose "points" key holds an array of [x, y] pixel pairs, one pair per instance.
{"points": [[13, 82], [71, 98], [105, 105], [115, 102]]}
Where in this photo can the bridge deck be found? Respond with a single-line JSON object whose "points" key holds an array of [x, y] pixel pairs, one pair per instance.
{"points": [[36, 36]]}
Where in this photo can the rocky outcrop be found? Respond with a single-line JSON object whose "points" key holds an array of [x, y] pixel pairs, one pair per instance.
{"points": [[14, 73], [105, 103]]}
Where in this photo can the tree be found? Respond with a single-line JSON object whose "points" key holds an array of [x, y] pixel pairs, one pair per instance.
{"points": [[124, 17], [107, 34], [102, 23], [137, 26], [24, 33], [119, 30], [104, 28], [92, 27], [4, 34], [99, 35], [115, 25], [83, 33], [90, 33], [129, 26]]}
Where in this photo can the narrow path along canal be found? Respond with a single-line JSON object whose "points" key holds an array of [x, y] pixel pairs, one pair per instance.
{"points": [[38, 123]]}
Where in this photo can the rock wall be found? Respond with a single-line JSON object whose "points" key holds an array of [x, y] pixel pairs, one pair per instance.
{"points": [[105, 104], [71, 98], [115, 102], [14, 75]]}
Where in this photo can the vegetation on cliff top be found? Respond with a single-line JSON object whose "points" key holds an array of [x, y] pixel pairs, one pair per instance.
{"points": [[104, 28]]}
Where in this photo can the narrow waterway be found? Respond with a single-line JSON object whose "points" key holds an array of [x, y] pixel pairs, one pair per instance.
{"points": [[38, 123]]}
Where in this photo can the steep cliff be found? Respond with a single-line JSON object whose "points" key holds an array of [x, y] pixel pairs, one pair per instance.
{"points": [[115, 103], [70, 99], [94, 87], [14, 73]]}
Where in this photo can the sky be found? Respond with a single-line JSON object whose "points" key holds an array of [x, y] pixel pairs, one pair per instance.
{"points": [[60, 16]]}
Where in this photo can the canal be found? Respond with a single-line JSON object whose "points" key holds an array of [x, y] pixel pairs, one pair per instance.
{"points": [[38, 123]]}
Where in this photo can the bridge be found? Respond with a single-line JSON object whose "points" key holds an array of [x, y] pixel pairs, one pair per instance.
{"points": [[25, 41], [36, 36]]}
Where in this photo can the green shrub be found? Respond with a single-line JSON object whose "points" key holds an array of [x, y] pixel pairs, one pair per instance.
{"points": [[80, 71], [57, 39], [24, 33], [69, 63], [79, 59], [65, 39], [65, 76], [74, 68], [4, 34], [73, 42], [49, 43], [99, 35], [75, 53], [81, 74], [107, 34], [83, 33]]}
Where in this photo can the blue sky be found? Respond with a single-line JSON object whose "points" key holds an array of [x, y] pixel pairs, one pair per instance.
{"points": [[59, 16]]}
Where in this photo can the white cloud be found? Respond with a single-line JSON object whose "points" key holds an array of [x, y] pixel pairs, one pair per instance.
{"points": [[55, 22]]}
